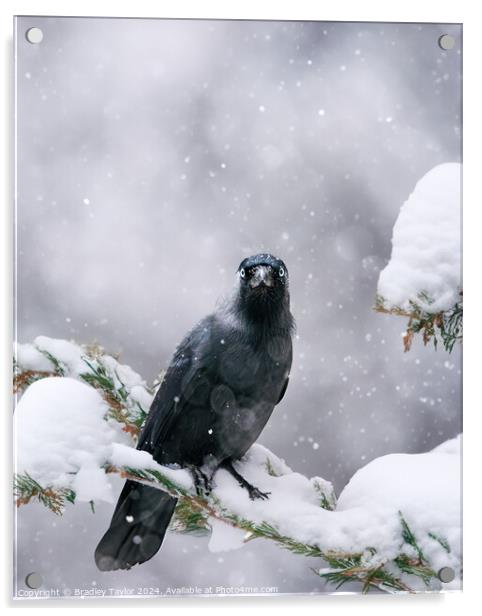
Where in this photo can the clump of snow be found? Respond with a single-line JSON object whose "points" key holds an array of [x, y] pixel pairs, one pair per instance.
{"points": [[426, 245], [264, 458], [454, 445], [92, 484], [30, 358], [139, 394], [225, 537], [62, 438], [386, 481], [126, 456], [77, 361], [425, 488], [123, 375], [68, 353]]}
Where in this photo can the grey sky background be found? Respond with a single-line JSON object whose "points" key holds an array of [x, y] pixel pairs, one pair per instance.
{"points": [[153, 156]]}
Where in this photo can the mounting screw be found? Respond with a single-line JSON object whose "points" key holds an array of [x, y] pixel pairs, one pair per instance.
{"points": [[34, 35], [446, 574], [34, 580], [446, 42]]}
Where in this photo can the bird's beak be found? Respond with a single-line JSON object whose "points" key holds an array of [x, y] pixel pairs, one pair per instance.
{"points": [[262, 276]]}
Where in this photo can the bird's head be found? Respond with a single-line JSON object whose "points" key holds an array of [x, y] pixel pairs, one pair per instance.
{"points": [[263, 283]]}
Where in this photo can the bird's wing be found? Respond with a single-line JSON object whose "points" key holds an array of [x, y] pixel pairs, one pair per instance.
{"points": [[182, 374]]}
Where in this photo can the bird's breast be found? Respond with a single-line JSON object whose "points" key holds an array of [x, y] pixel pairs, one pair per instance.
{"points": [[246, 367]]}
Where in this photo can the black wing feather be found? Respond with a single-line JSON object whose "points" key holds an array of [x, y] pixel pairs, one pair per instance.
{"points": [[165, 407], [170, 398]]}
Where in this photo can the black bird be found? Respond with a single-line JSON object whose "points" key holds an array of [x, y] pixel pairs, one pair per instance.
{"points": [[219, 391]]}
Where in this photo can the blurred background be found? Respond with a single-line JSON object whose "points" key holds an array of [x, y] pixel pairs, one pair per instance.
{"points": [[153, 156]]}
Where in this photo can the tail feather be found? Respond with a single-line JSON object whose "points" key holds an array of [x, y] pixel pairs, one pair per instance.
{"points": [[137, 528]]}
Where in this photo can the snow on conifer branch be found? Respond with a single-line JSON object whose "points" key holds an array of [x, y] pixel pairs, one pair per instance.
{"points": [[378, 534], [124, 391], [422, 280], [445, 326]]}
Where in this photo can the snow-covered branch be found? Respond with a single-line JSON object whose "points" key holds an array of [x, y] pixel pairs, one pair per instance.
{"points": [[395, 525], [422, 280]]}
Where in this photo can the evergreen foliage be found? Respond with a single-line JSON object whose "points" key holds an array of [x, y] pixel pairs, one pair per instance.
{"points": [[443, 326], [193, 512]]}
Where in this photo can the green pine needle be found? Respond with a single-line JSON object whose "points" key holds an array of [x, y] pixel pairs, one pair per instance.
{"points": [[443, 326], [193, 513]]}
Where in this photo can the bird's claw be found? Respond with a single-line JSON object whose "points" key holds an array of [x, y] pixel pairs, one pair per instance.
{"points": [[255, 493], [202, 482]]}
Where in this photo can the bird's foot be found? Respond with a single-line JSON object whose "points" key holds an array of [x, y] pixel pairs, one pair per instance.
{"points": [[202, 482], [255, 492]]}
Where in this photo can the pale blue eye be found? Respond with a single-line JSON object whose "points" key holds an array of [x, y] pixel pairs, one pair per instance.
{"points": [[281, 272], [242, 273]]}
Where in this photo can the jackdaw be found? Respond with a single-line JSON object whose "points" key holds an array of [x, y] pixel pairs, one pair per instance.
{"points": [[220, 389]]}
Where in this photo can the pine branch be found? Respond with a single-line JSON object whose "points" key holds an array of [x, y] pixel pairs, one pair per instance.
{"points": [[116, 397], [24, 379], [26, 488], [188, 520], [442, 326], [98, 374], [345, 568], [443, 542], [327, 498], [418, 566], [195, 507], [194, 512], [60, 369]]}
